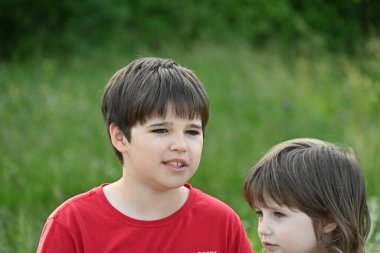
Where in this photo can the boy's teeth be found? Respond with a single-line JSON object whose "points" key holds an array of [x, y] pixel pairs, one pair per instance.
{"points": [[177, 164]]}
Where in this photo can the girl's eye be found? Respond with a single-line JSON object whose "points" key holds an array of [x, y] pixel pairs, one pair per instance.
{"points": [[279, 215], [193, 132], [160, 131], [259, 213]]}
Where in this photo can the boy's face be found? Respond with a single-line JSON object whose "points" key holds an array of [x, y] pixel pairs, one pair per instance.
{"points": [[164, 153], [283, 230]]}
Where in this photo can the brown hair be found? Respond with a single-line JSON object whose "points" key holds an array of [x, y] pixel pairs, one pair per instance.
{"points": [[145, 88], [319, 179]]}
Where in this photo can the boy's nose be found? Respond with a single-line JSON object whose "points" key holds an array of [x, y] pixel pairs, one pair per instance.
{"points": [[179, 144]]}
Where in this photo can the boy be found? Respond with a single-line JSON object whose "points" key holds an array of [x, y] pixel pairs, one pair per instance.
{"points": [[156, 112]]}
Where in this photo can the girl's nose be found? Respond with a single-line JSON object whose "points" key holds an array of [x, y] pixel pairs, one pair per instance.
{"points": [[264, 227]]}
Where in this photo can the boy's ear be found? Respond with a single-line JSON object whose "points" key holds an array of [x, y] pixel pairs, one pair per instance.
{"points": [[329, 227], [118, 138]]}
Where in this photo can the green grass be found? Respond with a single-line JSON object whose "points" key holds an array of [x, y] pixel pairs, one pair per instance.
{"points": [[53, 144]]}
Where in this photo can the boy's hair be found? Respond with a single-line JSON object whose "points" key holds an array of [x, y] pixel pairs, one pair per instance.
{"points": [[319, 179], [145, 88]]}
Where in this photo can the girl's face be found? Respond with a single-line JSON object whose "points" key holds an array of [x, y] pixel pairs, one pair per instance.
{"points": [[283, 230]]}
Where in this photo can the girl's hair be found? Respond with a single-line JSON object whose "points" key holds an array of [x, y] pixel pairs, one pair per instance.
{"points": [[145, 88], [319, 179]]}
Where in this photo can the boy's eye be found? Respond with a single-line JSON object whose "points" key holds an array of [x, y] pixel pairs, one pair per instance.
{"points": [[193, 132], [279, 215], [160, 130]]}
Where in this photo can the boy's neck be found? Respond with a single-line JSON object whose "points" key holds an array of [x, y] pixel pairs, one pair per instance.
{"points": [[142, 203]]}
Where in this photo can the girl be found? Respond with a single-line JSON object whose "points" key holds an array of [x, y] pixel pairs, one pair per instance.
{"points": [[309, 196]]}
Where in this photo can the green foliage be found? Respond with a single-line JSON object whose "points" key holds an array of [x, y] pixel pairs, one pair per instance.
{"points": [[54, 146], [59, 26], [70, 27]]}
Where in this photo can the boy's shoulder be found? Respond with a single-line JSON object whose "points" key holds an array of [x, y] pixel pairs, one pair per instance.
{"points": [[210, 204], [81, 202]]}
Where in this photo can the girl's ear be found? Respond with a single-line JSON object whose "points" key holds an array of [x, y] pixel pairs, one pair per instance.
{"points": [[329, 227], [118, 139]]}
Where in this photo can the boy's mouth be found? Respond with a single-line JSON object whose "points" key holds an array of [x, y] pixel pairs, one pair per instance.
{"points": [[177, 163]]}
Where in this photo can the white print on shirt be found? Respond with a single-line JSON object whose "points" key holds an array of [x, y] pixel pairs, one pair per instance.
{"points": [[212, 251]]}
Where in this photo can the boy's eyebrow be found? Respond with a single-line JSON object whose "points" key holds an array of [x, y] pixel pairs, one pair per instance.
{"points": [[160, 124], [165, 123], [196, 126]]}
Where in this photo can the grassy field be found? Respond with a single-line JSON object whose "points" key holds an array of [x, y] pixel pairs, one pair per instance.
{"points": [[53, 144]]}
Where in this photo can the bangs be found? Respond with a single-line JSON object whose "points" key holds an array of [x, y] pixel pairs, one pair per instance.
{"points": [[165, 89], [271, 183], [262, 190]]}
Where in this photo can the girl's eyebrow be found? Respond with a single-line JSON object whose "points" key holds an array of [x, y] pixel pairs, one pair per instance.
{"points": [[273, 208], [281, 209]]}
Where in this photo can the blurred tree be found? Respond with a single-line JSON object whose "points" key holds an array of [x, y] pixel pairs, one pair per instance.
{"points": [[62, 27]]}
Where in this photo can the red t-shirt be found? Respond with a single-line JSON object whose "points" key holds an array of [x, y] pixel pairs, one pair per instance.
{"points": [[89, 223]]}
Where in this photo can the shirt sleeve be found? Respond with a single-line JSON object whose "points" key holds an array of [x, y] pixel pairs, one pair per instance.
{"points": [[55, 238], [241, 243]]}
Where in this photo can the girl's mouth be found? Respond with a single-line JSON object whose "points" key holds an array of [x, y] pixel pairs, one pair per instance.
{"points": [[269, 246]]}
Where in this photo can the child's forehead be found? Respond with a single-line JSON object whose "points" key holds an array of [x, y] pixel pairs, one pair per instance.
{"points": [[266, 202], [269, 203], [170, 112], [171, 118]]}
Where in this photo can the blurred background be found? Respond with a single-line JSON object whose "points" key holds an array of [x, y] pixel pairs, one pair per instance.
{"points": [[273, 70]]}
